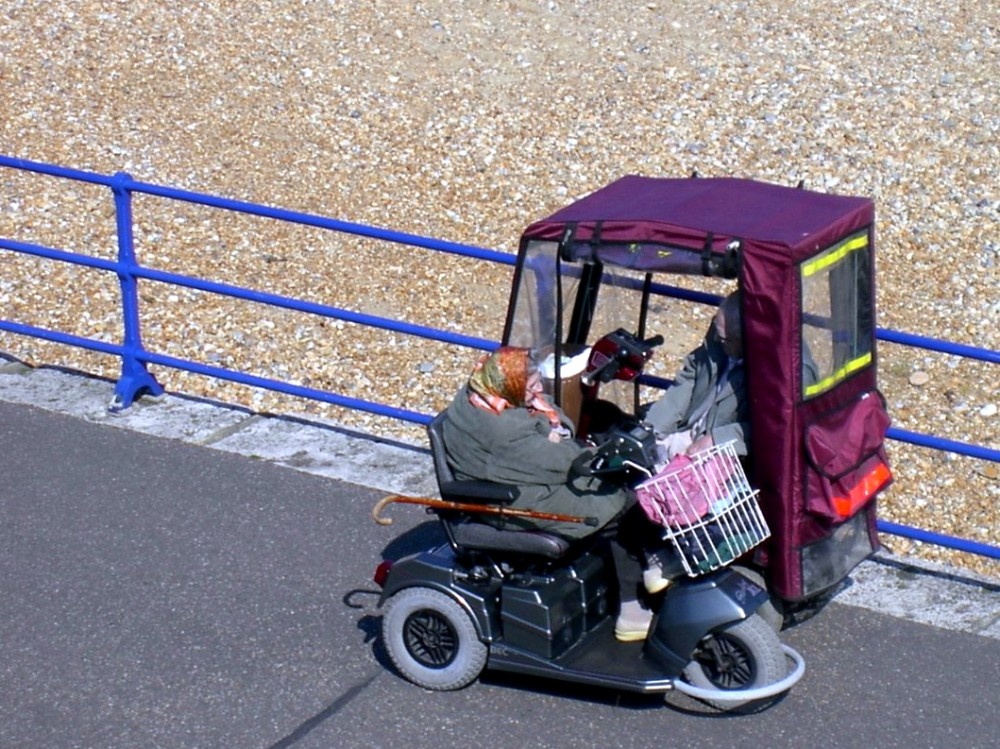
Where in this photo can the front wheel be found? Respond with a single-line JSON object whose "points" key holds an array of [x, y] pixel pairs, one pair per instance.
{"points": [[742, 655], [432, 640]]}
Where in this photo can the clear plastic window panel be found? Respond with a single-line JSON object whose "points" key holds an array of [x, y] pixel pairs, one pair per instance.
{"points": [[534, 321], [837, 324], [618, 306]]}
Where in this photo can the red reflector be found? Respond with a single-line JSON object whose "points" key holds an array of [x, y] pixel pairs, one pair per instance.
{"points": [[863, 490], [382, 573]]}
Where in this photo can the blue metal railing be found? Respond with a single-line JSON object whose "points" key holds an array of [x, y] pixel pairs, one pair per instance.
{"points": [[136, 380]]}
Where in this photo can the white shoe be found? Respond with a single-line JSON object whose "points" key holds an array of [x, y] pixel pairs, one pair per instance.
{"points": [[652, 577], [633, 622], [654, 581]]}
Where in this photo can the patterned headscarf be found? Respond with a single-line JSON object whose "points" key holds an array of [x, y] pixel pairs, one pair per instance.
{"points": [[500, 380]]}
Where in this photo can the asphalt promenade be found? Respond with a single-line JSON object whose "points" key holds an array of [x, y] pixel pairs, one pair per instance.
{"points": [[187, 574]]}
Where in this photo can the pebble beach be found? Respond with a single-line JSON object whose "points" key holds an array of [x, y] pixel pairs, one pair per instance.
{"points": [[468, 121]]}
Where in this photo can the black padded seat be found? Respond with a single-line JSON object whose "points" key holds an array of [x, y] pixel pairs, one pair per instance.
{"points": [[482, 537], [471, 534]]}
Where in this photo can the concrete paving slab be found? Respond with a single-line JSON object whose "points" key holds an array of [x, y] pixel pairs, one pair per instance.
{"points": [[925, 592], [311, 445], [335, 452], [89, 398]]}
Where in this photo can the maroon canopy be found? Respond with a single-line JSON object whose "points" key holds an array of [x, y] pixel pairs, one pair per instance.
{"points": [[666, 225], [682, 213]]}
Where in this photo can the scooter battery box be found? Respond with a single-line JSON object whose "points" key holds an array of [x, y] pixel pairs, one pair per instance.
{"points": [[588, 571], [543, 614]]}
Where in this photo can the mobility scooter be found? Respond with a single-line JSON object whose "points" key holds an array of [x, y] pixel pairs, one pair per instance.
{"points": [[787, 524]]}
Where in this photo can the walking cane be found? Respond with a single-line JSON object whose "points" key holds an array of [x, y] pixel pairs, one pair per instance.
{"points": [[441, 504]]}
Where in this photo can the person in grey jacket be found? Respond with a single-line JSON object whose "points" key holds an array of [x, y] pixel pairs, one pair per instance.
{"points": [[500, 427], [707, 404]]}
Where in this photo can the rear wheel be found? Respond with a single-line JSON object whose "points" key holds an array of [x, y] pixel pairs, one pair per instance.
{"points": [[432, 640], [741, 655]]}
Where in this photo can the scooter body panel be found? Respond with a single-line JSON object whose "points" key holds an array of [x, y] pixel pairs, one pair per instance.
{"points": [[558, 623], [598, 660], [438, 568], [693, 609]]}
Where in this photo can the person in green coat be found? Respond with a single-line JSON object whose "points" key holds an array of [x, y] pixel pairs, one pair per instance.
{"points": [[500, 427]]}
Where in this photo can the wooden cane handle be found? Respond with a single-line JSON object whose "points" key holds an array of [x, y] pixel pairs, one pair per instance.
{"points": [[379, 506]]}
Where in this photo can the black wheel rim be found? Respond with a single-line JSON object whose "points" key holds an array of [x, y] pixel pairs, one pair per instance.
{"points": [[430, 638], [727, 664]]}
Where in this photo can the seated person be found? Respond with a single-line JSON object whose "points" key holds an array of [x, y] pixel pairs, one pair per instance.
{"points": [[500, 427], [707, 404]]}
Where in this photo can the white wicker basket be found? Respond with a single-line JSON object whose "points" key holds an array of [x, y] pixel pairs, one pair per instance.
{"points": [[707, 509]]}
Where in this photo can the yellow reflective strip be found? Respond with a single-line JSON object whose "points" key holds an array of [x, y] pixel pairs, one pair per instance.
{"points": [[834, 254], [828, 382]]}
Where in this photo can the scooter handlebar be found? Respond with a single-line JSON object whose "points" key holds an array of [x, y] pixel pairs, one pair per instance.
{"points": [[622, 356]]}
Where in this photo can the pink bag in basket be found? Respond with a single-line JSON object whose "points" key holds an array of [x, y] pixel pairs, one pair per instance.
{"points": [[684, 491]]}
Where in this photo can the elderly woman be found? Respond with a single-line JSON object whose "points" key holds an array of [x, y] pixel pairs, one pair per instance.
{"points": [[500, 427]]}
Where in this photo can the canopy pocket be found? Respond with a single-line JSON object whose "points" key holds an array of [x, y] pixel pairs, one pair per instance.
{"points": [[847, 464]]}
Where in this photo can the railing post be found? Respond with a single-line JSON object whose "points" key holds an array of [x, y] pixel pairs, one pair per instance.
{"points": [[135, 380]]}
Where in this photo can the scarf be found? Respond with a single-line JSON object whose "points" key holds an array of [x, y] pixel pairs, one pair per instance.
{"points": [[500, 380]]}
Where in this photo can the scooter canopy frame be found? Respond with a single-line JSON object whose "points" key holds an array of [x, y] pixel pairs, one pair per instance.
{"points": [[804, 263]]}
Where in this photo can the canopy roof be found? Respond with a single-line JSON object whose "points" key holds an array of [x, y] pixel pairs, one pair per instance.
{"points": [[686, 213]]}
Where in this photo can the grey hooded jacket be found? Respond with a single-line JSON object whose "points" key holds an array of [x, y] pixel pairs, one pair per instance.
{"points": [[695, 392]]}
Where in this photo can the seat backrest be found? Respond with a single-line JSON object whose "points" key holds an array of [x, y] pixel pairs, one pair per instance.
{"points": [[468, 490], [475, 535], [435, 432]]}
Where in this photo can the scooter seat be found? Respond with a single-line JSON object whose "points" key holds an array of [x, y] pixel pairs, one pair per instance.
{"points": [[482, 537], [477, 536]]}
